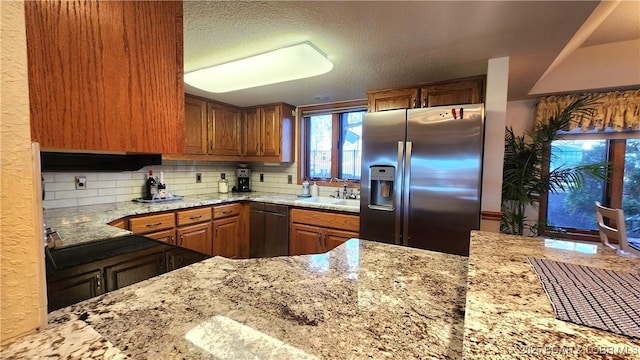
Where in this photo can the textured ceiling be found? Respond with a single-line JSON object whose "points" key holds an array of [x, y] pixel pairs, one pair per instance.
{"points": [[382, 44]]}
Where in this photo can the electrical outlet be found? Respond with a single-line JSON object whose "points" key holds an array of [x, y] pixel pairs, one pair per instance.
{"points": [[261, 177], [289, 179], [198, 177], [222, 176], [81, 182]]}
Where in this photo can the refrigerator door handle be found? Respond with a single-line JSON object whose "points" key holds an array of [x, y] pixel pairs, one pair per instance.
{"points": [[397, 202], [406, 186]]}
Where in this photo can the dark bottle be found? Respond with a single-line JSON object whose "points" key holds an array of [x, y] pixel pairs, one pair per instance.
{"points": [[152, 186]]}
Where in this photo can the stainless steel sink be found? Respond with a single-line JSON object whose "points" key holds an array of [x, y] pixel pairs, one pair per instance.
{"points": [[331, 201]]}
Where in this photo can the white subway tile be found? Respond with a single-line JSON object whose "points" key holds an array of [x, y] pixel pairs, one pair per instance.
{"points": [[58, 186], [96, 200], [126, 175], [54, 204], [104, 184], [114, 191], [75, 194]]}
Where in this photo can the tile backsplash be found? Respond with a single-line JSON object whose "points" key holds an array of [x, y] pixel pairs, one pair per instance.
{"points": [[180, 177]]}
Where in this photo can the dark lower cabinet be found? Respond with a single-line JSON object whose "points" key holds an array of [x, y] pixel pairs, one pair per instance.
{"points": [[74, 289], [67, 285], [132, 271]]}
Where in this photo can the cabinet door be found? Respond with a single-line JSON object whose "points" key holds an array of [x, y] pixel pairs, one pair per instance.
{"points": [[135, 270], [306, 239], [336, 237], [453, 93], [195, 126], [196, 237], [226, 236], [270, 134], [152, 223], [224, 131], [74, 289], [177, 258], [167, 236], [393, 99], [106, 75], [252, 132]]}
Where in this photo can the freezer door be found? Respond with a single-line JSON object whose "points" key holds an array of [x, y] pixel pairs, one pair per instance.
{"points": [[444, 167], [383, 135]]}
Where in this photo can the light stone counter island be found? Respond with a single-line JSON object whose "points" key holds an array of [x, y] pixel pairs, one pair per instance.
{"points": [[361, 300]]}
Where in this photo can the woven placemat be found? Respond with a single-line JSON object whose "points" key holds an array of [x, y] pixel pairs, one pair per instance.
{"points": [[599, 298]]}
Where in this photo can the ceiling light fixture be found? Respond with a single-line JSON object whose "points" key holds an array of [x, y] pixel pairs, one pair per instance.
{"points": [[289, 63]]}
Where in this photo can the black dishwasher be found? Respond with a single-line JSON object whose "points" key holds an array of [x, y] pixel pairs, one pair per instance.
{"points": [[269, 230]]}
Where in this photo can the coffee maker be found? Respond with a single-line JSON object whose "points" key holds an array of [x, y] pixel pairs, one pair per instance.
{"points": [[243, 175]]}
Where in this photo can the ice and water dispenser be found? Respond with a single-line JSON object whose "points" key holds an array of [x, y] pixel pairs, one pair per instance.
{"points": [[382, 187]]}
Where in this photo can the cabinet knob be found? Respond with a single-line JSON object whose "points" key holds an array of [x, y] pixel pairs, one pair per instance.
{"points": [[98, 282]]}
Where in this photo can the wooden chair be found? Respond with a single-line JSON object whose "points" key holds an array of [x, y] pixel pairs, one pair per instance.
{"points": [[608, 231]]}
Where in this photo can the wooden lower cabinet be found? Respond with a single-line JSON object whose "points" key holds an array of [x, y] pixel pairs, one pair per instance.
{"points": [[196, 237], [335, 238], [133, 271], [167, 236], [306, 239], [177, 258], [226, 236], [314, 232], [75, 288]]}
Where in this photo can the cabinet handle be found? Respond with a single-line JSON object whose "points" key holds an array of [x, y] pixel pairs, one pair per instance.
{"points": [[195, 217], [172, 263], [172, 239], [424, 102], [98, 284], [325, 240], [415, 103], [226, 211], [154, 224], [181, 239]]}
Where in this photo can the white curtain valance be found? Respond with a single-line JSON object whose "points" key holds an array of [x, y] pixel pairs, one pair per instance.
{"points": [[618, 110]]}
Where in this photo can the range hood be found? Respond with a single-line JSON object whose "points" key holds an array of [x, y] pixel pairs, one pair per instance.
{"points": [[58, 161]]}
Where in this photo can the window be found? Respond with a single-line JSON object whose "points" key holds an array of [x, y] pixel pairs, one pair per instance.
{"points": [[573, 211], [331, 142]]}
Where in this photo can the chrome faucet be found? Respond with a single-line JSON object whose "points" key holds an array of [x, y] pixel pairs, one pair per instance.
{"points": [[344, 189]]}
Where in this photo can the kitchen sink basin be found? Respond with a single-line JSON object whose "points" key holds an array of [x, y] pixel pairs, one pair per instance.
{"points": [[331, 201]]}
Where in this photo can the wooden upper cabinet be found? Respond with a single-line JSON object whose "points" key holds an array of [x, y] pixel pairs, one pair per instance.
{"points": [[269, 133], [251, 134], [224, 131], [195, 126], [469, 91], [106, 75], [393, 99], [451, 92]]}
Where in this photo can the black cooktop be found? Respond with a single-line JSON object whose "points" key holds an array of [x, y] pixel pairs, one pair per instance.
{"points": [[67, 257]]}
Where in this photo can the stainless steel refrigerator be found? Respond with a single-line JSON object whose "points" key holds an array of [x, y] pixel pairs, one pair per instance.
{"points": [[421, 177]]}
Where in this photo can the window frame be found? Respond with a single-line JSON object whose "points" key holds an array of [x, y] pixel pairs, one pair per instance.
{"points": [[335, 109], [613, 187]]}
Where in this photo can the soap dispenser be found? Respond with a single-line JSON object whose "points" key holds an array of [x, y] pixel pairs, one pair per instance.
{"points": [[315, 191]]}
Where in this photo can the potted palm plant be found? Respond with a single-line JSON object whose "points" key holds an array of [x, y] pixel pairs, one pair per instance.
{"points": [[525, 177]]}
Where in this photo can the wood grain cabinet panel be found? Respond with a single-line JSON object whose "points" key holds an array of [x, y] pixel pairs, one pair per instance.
{"points": [[195, 125], [152, 223], [440, 93], [226, 237], [73, 289], [268, 133], [394, 99], [224, 131], [166, 236], [133, 271], [192, 216], [251, 134], [306, 239], [106, 75], [197, 237], [314, 232]]}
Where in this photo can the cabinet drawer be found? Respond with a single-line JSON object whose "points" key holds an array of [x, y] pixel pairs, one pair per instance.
{"points": [[145, 224], [326, 219], [186, 217], [222, 211]]}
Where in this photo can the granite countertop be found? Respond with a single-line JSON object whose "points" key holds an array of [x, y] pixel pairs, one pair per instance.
{"points": [[361, 300], [80, 224], [508, 314]]}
